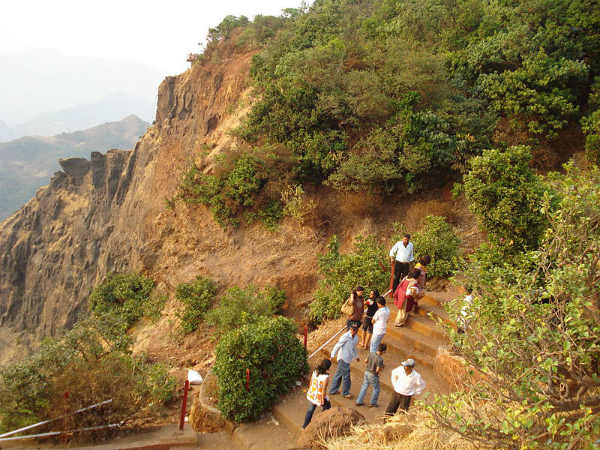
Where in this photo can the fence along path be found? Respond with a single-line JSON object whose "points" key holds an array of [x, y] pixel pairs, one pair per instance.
{"points": [[418, 339]]}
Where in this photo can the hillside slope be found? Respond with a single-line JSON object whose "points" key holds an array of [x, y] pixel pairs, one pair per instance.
{"points": [[28, 163], [109, 214]]}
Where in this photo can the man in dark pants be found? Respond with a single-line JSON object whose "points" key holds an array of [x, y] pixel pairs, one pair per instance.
{"points": [[401, 255], [407, 382]]}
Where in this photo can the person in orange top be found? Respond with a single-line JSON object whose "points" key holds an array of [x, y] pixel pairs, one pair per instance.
{"points": [[317, 391]]}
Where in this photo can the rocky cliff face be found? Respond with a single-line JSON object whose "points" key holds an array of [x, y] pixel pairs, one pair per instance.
{"points": [[98, 215]]}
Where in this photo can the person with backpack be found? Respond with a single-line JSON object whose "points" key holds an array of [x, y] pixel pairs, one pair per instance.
{"points": [[317, 391], [374, 368], [345, 349]]}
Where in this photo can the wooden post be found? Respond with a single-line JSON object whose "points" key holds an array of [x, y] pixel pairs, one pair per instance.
{"points": [[305, 337], [248, 379], [186, 388]]}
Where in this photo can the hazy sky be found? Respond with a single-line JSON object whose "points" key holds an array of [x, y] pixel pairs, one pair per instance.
{"points": [[157, 33]]}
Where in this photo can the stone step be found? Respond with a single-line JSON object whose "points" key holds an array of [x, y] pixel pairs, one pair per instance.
{"points": [[429, 300], [409, 338], [424, 326], [435, 312]]}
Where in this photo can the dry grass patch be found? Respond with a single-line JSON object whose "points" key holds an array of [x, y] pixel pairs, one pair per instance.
{"points": [[416, 430]]}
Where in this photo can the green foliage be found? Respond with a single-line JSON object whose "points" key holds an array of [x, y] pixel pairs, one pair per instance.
{"points": [[93, 363], [538, 93], [196, 297], [590, 125], [437, 239], [269, 348], [161, 386], [396, 96], [154, 306], [245, 306], [227, 25], [296, 205], [366, 266], [122, 294], [237, 189], [506, 196], [534, 334]]}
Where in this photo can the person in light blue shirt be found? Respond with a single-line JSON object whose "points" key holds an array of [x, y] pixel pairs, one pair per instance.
{"points": [[346, 353]]}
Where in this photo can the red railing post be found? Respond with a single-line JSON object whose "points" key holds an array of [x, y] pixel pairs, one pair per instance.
{"points": [[186, 388], [305, 337], [248, 379]]}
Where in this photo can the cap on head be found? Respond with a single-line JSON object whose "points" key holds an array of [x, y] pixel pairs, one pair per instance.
{"points": [[409, 363]]}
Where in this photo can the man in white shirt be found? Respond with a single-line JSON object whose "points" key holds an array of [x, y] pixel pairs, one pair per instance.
{"points": [[379, 321], [346, 351], [401, 255], [407, 382]]}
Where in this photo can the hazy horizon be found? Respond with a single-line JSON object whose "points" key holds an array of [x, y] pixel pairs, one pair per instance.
{"points": [[59, 55]]}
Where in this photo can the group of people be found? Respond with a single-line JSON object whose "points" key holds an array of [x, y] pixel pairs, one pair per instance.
{"points": [[372, 314]]}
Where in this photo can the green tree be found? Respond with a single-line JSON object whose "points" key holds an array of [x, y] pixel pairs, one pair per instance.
{"points": [[437, 239], [533, 339], [506, 196], [275, 358]]}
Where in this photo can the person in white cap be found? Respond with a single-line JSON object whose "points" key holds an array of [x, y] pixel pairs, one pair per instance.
{"points": [[407, 382]]}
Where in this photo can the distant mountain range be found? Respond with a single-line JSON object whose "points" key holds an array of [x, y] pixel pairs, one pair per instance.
{"points": [[29, 162], [80, 117]]}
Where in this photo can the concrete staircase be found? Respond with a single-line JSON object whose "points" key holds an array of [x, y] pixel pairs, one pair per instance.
{"points": [[418, 339]]}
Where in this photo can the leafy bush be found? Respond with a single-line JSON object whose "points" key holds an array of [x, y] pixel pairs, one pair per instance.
{"points": [[122, 294], [366, 266], [275, 357], [154, 305], [239, 307], [538, 93], [93, 363], [438, 240], [506, 196], [296, 205], [196, 297], [237, 189], [161, 386], [539, 318], [591, 127]]}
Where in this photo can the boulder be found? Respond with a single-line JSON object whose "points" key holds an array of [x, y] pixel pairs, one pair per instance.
{"points": [[334, 422], [205, 420]]}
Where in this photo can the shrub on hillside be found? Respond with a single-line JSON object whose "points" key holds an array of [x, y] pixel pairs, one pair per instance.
{"points": [[365, 265], [196, 297], [245, 306], [122, 294], [590, 125], [506, 196], [538, 317], [271, 351], [437, 239], [92, 363]]}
